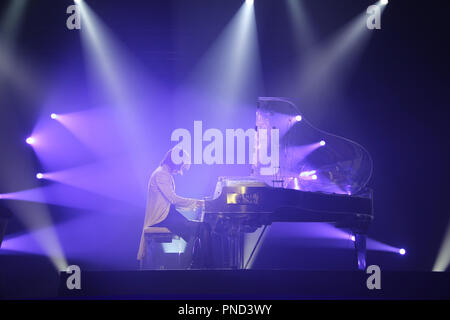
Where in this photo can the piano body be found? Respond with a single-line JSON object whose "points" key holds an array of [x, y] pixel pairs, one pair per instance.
{"points": [[315, 182]]}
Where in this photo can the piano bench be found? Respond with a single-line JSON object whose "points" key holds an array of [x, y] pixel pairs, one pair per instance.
{"points": [[154, 238]]}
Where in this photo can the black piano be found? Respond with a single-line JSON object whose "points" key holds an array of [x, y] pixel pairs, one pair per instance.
{"points": [[321, 178]]}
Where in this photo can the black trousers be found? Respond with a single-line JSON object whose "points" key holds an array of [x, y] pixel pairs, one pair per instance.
{"points": [[197, 236]]}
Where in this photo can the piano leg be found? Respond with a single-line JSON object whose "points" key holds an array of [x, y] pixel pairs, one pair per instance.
{"points": [[360, 248], [240, 251], [237, 250], [233, 251]]}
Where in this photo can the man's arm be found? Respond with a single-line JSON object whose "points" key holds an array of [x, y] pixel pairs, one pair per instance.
{"points": [[164, 183]]}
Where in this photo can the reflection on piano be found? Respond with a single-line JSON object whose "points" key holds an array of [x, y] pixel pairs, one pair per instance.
{"points": [[316, 182]]}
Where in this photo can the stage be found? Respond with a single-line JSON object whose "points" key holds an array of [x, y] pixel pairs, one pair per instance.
{"points": [[254, 285], [224, 149]]}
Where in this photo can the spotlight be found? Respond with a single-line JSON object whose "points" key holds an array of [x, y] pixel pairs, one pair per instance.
{"points": [[402, 251], [384, 2], [296, 185], [322, 143], [353, 238], [298, 118], [305, 174], [250, 2], [443, 258], [39, 175], [314, 177], [30, 140], [54, 116]]}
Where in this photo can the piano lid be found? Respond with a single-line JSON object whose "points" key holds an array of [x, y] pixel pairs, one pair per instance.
{"points": [[311, 159]]}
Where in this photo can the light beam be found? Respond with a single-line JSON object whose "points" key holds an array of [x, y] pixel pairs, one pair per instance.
{"points": [[443, 258]]}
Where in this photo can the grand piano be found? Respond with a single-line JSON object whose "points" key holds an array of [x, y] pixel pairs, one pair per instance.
{"points": [[321, 178]]}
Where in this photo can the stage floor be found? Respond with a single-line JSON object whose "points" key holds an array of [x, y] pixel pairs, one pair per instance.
{"points": [[255, 284]]}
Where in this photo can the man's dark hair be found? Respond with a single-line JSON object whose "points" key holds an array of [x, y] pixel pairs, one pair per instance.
{"points": [[168, 162]]}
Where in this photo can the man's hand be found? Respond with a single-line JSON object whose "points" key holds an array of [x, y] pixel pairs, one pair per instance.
{"points": [[199, 204]]}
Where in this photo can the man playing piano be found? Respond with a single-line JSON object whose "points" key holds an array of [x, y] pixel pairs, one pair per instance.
{"points": [[161, 211]]}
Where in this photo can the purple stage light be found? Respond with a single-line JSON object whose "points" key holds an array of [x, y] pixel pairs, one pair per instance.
{"points": [[353, 238], [30, 140], [296, 184], [322, 143], [25, 243], [298, 118], [98, 178], [67, 196], [54, 116], [306, 174], [314, 177], [402, 251], [39, 175]]}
